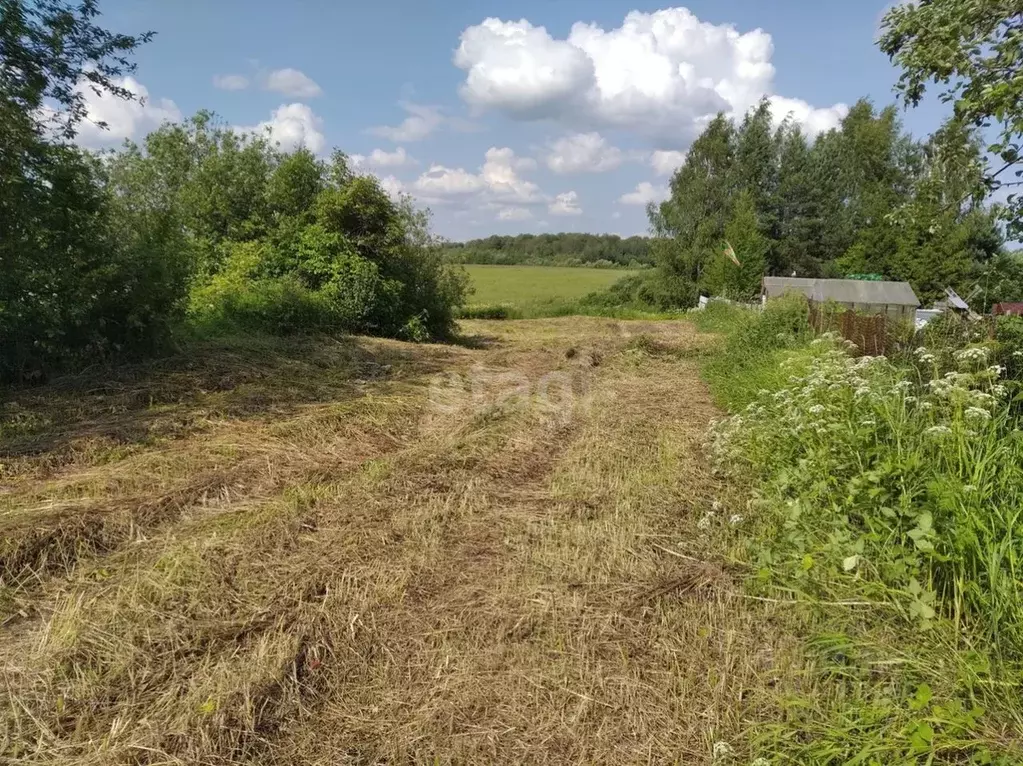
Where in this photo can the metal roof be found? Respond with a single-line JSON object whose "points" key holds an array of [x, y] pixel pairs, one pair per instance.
{"points": [[861, 292]]}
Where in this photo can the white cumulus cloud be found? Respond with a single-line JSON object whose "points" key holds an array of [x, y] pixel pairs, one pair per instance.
{"points": [[498, 180], [441, 181], [644, 193], [665, 162], [380, 158], [230, 81], [583, 153], [566, 203], [514, 214], [293, 83], [392, 186], [293, 126], [662, 74], [123, 119], [421, 121]]}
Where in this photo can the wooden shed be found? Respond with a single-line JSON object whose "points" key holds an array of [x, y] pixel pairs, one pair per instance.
{"points": [[895, 300]]}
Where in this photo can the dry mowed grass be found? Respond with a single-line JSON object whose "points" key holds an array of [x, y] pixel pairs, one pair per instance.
{"points": [[371, 552]]}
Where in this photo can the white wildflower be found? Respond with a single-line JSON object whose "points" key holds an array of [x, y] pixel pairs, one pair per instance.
{"points": [[903, 385], [976, 413], [716, 505], [761, 762], [735, 520], [938, 430], [722, 750], [982, 399], [996, 370], [921, 351], [704, 523], [971, 354], [926, 405], [998, 390], [817, 409]]}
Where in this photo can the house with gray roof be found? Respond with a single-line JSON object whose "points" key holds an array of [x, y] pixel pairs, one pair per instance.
{"points": [[895, 300]]}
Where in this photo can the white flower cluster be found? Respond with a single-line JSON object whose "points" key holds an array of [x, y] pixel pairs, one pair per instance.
{"points": [[971, 354], [834, 405]]}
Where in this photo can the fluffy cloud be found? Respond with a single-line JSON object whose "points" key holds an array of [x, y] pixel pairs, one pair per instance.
{"points": [[421, 122], [566, 203], [500, 174], [440, 182], [644, 193], [392, 186], [665, 162], [123, 119], [583, 153], [293, 126], [293, 83], [498, 180], [230, 82], [379, 158], [662, 74], [513, 214]]}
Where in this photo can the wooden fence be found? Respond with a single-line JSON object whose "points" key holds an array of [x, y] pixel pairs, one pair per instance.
{"points": [[869, 332]]}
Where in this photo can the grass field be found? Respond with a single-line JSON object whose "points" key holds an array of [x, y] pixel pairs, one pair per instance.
{"points": [[522, 286], [363, 551]]}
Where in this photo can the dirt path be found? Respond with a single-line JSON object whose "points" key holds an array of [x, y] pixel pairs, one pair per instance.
{"points": [[426, 554]]}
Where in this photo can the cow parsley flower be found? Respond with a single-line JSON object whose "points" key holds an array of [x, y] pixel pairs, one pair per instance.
{"points": [[976, 413]]}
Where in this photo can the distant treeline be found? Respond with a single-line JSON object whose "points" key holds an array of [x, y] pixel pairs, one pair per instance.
{"points": [[567, 249]]}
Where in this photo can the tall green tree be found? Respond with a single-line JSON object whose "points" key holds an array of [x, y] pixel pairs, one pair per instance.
{"points": [[971, 50], [67, 280], [690, 224], [743, 234]]}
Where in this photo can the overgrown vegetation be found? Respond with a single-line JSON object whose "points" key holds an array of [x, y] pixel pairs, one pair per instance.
{"points": [[885, 496], [109, 256], [866, 198], [565, 249]]}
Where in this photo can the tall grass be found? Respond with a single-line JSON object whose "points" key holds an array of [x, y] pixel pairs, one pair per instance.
{"points": [[888, 496], [755, 344]]}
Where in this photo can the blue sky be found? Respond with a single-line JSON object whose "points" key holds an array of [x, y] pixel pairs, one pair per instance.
{"points": [[502, 117]]}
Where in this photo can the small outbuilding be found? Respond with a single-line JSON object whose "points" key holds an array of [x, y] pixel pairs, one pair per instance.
{"points": [[895, 300]]}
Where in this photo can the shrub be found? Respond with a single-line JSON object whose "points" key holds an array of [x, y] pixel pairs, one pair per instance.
{"points": [[85, 275], [1009, 338], [277, 306], [488, 311], [748, 361]]}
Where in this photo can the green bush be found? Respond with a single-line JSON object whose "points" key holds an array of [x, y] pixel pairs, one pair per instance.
{"points": [[85, 274], [276, 306], [1009, 338], [488, 311], [756, 341]]}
